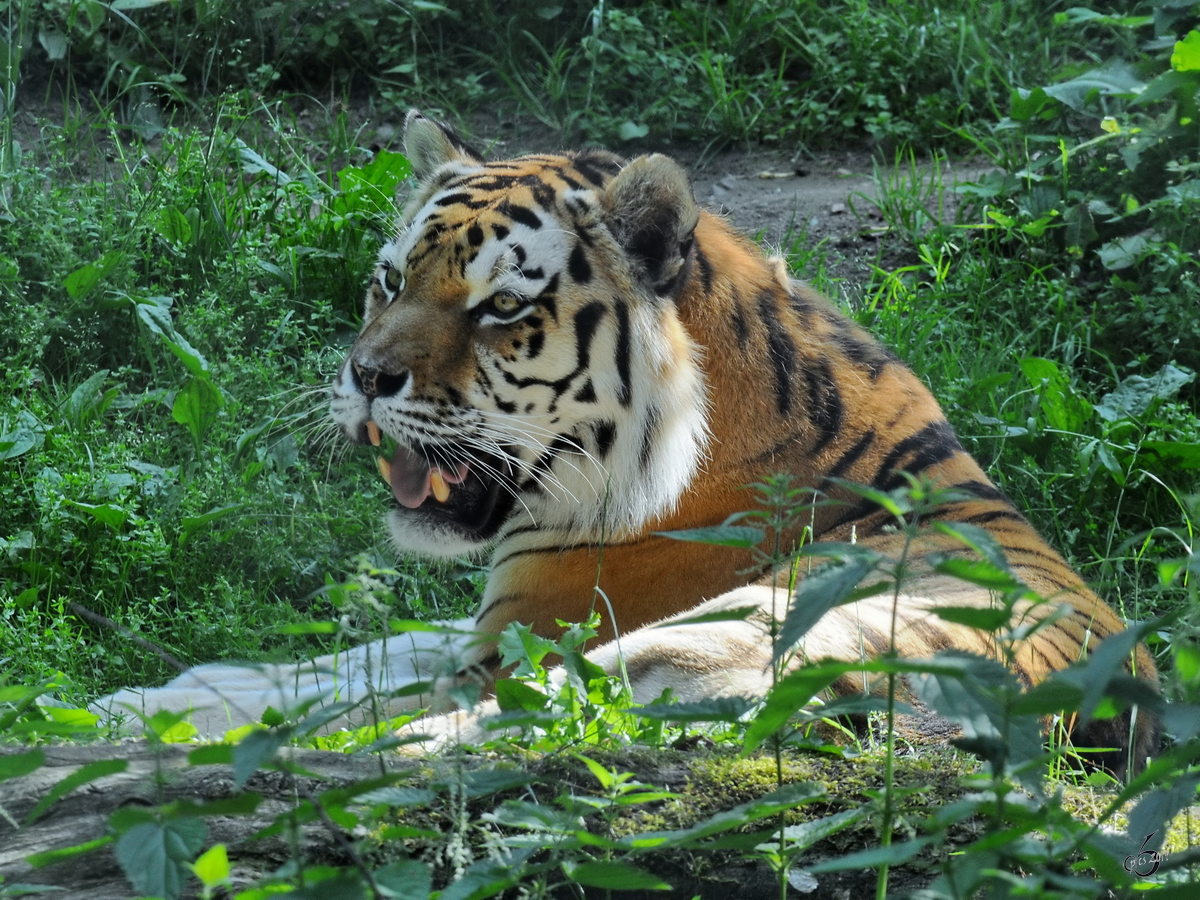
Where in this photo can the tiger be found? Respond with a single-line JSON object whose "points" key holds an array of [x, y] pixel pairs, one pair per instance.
{"points": [[572, 359]]}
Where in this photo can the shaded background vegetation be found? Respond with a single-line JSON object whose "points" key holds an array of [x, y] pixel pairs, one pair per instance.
{"points": [[187, 213]]}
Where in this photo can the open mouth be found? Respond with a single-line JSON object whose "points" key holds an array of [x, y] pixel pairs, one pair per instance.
{"points": [[468, 495]]}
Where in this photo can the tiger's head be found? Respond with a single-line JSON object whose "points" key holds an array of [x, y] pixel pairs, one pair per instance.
{"points": [[521, 347]]}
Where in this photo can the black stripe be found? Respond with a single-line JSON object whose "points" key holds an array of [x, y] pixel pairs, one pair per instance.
{"points": [[606, 435], [536, 341], [706, 269], [545, 299], [865, 353], [825, 408], [475, 234], [981, 489], [587, 393], [500, 231], [462, 198], [578, 266], [649, 437], [931, 445], [851, 456], [625, 391], [518, 213], [781, 350], [740, 328]]}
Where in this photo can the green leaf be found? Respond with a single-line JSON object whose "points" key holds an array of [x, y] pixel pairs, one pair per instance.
{"points": [[211, 755], [155, 313], [1050, 696], [631, 130], [893, 855], [718, 709], [613, 875], [212, 866], [173, 225], [405, 879], [192, 524], [804, 835], [124, 5], [105, 513], [14, 765], [829, 586], [517, 695], [1137, 394], [50, 857], [1065, 410], [1123, 252], [85, 399], [371, 189], [155, 856], [977, 571], [196, 407], [741, 536], [398, 796], [83, 281], [1172, 453], [482, 879], [1186, 57], [1115, 78], [24, 436], [83, 775], [254, 751], [779, 800], [1024, 104], [737, 614], [984, 619], [790, 694]]}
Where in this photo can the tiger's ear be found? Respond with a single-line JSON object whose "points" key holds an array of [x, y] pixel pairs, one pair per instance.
{"points": [[429, 144], [651, 211]]}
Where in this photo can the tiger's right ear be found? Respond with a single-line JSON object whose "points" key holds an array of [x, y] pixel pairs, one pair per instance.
{"points": [[429, 144]]}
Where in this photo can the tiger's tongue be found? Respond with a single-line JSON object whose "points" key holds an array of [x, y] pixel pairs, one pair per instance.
{"points": [[411, 477]]}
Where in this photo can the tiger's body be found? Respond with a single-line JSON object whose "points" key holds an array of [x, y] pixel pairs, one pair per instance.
{"points": [[572, 357]]}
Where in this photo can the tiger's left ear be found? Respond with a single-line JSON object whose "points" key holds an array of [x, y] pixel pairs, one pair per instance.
{"points": [[429, 144], [651, 211]]}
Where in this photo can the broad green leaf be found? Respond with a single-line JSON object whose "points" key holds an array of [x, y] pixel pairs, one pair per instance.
{"points": [[718, 709], [405, 879], [1123, 252], [893, 855], [398, 796], [1050, 696], [1115, 78], [1186, 57], [125, 5], [1024, 104], [977, 571], [85, 399], [788, 696], [737, 614], [1174, 453], [517, 695], [985, 619], [105, 513], [1065, 410], [196, 407], [155, 856], [14, 765], [211, 755], [83, 281], [1137, 394], [54, 42], [254, 751], [829, 586], [613, 875], [978, 539], [741, 536], [155, 312], [493, 781], [192, 524], [779, 800], [631, 130], [212, 866], [482, 879], [806, 834], [174, 226], [50, 857], [24, 436], [85, 774]]}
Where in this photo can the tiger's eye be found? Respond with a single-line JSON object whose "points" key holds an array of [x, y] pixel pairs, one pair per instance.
{"points": [[394, 279], [505, 304]]}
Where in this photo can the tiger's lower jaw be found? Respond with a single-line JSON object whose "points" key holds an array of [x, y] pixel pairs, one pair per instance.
{"points": [[463, 524]]}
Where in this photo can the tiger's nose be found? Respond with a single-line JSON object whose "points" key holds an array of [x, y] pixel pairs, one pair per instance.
{"points": [[376, 382]]}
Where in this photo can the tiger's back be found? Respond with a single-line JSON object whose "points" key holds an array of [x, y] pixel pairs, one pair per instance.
{"points": [[574, 358]]}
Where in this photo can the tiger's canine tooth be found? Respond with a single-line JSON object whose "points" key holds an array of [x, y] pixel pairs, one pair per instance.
{"points": [[441, 490], [385, 469], [373, 433]]}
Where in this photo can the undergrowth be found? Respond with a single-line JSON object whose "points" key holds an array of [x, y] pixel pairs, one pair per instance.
{"points": [[176, 298]]}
